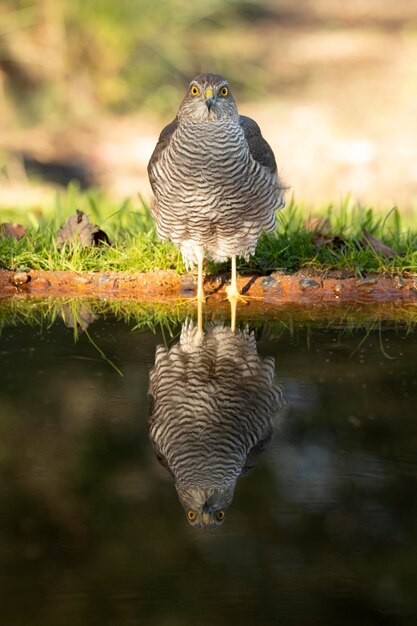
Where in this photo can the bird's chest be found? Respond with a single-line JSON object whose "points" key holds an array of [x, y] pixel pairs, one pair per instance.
{"points": [[207, 158]]}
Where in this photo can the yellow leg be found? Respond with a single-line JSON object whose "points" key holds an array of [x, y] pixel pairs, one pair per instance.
{"points": [[233, 307], [200, 290], [200, 297], [232, 290], [200, 316]]}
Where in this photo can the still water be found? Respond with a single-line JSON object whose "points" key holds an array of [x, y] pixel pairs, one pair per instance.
{"points": [[320, 528]]}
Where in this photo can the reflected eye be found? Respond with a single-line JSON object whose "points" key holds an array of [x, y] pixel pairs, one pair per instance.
{"points": [[194, 90], [223, 92], [191, 515], [220, 515]]}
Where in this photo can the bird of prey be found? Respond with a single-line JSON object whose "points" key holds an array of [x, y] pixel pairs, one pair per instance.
{"points": [[213, 401], [214, 179]]}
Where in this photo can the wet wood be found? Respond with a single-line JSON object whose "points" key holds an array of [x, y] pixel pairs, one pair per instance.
{"points": [[269, 291]]}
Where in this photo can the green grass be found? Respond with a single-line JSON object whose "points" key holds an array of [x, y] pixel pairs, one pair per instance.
{"points": [[136, 247], [130, 227], [42, 313], [291, 247]]}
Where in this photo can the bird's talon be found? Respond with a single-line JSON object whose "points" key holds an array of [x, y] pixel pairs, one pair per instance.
{"points": [[233, 294], [193, 300]]}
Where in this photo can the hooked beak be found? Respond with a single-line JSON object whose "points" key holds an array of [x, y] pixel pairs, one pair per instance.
{"points": [[209, 96], [206, 518]]}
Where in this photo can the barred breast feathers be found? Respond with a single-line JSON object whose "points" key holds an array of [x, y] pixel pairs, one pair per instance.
{"points": [[211, 195], [213, 401]]}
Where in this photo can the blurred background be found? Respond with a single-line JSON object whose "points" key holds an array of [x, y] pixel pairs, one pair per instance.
{"points": [[85, 88]]}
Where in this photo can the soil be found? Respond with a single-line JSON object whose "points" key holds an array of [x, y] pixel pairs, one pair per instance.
{"points": [[263, 292]]}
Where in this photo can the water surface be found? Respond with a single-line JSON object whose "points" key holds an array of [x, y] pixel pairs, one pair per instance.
{"points": [[322, 531]]}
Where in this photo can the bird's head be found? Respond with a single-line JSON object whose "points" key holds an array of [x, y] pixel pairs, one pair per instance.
{"points": [[208, 98], [205, 506]]}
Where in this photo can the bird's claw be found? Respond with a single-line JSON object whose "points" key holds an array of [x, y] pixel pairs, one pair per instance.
{"points": [[233, 294]]}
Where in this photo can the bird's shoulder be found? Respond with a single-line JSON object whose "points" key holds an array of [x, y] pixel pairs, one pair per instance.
{"points": [[259, 148], [163, 143]]}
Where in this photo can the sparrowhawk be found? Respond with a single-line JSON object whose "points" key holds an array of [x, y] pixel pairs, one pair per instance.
{"points": [[213, 401], [214, 178]]}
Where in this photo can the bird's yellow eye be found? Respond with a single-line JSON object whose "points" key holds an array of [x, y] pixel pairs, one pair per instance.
{"points": [[194, 90], [191, 515], [220, 515], [223, 92]]}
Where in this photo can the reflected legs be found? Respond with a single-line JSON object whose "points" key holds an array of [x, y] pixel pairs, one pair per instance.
{"points": [[200, 289]]}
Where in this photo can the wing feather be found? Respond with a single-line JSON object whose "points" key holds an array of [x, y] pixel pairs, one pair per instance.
{"points": [[259, 148], [163, 143]]}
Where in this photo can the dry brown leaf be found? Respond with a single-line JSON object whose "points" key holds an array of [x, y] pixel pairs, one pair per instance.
{"points": [[377, 245], [321, 239], [78, 228], [16, 231], [79, 317]]}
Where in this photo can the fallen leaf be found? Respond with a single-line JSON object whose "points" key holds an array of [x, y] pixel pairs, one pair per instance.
{"points": [[16, 231], [377, 245], [78, 317], [78, 228], [321, 239]]}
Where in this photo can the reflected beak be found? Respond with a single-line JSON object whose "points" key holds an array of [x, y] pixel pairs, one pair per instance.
{"points": [[209, 96]]}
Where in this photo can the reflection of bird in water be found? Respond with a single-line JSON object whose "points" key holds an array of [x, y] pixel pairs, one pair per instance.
{"points": [[212, 403], [214, 178]]}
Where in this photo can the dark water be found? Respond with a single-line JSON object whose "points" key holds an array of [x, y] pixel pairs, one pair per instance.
{"points": [[323, 531]]}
